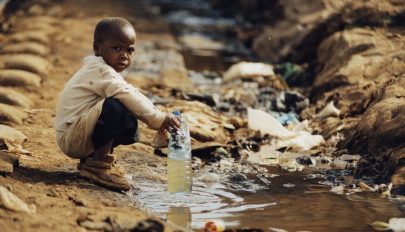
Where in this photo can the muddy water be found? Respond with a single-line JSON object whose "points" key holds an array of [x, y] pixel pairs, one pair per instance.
{"points": [[291, 202]]}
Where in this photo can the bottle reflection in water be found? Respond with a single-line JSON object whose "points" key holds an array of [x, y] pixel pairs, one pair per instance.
{"points": [[180, 216]]}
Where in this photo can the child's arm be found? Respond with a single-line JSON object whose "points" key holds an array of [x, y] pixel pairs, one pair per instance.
{"points": [[110, 85]]}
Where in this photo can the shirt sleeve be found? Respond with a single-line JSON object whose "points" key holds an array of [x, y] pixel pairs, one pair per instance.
{"points": [[114, 85]]}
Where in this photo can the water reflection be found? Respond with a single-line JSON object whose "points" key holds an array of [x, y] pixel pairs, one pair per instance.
{"points": [[307, 206], [193, 210], [180, 216]]}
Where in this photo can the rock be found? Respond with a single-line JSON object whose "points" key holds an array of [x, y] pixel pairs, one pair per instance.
{"points": [[11, 97], [394, 170], [26, 62], [10, 114], [330, 110], [25, 47], [10, 134], [33, 36], [10, 137], [10, 77], [381, 125], [354, 67], [209, 177], [398, 178], [11, 202], [8, 162]]}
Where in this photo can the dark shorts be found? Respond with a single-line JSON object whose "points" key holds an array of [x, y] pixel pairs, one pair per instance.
{"points": [[115, 123]]}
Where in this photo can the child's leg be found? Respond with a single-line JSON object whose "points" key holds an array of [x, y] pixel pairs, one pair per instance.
{"points": [[115, 126]]}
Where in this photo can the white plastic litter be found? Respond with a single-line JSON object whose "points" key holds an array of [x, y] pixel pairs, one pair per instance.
{"points": [[330, 110], [394, 224], [340, 189], [293, 140], [10, 201], [248, 69]]}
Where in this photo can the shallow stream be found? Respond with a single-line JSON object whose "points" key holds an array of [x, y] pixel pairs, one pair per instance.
{"points": [[291, 201]]}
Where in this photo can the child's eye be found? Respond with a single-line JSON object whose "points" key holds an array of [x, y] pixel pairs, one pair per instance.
{"points": [[117, 49], [131, 50]]}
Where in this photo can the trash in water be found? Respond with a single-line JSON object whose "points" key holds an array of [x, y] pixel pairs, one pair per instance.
{"points": [[394, 224], [288, 101], [214, 226], [338, 189], [288, 185], [292, 140]]}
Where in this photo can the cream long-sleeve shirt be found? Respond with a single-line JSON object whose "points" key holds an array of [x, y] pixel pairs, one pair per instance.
{"points": [[96, 81]]}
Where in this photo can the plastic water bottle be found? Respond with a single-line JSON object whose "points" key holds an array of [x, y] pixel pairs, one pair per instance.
{"points": [[179, 171]]}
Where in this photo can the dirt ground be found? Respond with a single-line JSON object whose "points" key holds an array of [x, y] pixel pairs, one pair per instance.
{"points": [[46, 177]]}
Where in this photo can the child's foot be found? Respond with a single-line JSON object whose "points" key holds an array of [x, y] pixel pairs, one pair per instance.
{"points": [[110, 158], [106, 174]]}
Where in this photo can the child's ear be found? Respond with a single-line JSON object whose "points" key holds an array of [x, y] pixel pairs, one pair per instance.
{"points": [[96, 48]]}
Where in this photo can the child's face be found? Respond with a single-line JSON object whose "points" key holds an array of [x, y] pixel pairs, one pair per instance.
{"points": [[118, 48]]}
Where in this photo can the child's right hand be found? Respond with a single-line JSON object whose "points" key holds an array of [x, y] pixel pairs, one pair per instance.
{"points": [[171, 121]]}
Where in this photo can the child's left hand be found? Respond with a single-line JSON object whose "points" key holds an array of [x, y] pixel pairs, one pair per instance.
{"points": [[171, 121]]}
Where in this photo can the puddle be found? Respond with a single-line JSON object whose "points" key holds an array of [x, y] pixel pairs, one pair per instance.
{"points": [[290, 202]]}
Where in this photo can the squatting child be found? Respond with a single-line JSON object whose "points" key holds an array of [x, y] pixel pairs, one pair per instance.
{"points": [[98, 109]]}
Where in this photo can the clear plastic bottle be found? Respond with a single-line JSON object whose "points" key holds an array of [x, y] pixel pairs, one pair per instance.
{"points": [[179, 171]]}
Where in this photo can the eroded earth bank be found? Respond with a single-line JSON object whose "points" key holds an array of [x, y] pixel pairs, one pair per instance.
{"points": [[296, 112]]}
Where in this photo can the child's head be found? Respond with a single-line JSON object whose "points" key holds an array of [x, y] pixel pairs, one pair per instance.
{"points": [[114, 40]]}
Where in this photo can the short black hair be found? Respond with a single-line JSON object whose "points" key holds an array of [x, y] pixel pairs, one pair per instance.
{"points": [[105, 26]]}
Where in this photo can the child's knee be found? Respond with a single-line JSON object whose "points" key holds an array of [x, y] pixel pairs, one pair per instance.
{"points": [[113, 104]]}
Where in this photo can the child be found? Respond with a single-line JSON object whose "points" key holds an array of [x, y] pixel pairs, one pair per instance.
{"points": [[98, 109]]}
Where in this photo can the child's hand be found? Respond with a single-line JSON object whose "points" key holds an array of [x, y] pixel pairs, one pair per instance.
{"points": [[171, 121]]}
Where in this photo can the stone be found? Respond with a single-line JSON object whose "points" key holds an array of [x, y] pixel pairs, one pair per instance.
{"points": [[12, 97], [33, 36], [26, 62], [8, 162], [11, 202], [25, 47], [11, 77], [10, 114]]}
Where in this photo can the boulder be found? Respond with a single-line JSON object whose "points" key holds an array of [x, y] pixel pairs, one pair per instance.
{"points": [[27, 35], [10, 114], [12, 77], [33, 48], [12, 97], [8, 162], [10, 137], [353, 66], [26, 62], [382, 124], [305, 24]]}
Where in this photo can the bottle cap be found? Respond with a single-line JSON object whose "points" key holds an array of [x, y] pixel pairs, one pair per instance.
{"points": [[215, 225], [177, 113]]}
